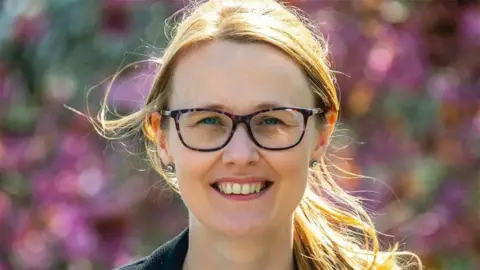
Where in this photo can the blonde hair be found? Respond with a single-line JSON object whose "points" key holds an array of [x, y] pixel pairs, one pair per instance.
{"points": [[331, 228]]}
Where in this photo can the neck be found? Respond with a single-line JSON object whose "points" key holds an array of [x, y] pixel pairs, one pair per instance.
{"points": [[212, 250]]}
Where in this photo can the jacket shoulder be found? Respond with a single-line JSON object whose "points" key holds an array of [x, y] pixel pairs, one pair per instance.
{"points": [[136, 265], [169, 256]]}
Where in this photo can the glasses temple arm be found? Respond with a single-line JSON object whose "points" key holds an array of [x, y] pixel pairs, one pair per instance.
{"points": [[317, 111], [165, 113]]}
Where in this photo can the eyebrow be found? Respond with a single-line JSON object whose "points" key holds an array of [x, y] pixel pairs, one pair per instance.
{"points": [[261, 106]]}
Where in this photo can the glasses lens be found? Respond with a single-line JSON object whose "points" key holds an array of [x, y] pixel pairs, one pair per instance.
{"points": [[278, 128], [204, 129]]}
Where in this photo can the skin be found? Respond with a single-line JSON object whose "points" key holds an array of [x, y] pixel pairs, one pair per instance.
{"points": [[239, 78]]}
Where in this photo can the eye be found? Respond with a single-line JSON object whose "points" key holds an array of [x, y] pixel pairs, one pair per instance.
{"points": [[210, 121], [270, 121]]}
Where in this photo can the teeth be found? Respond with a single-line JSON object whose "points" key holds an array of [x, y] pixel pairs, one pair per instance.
{"points": [[229, 189], [246, 189], [236, 188]]}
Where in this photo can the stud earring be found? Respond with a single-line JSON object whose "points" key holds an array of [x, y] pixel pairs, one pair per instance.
{"points": [[170, 168], [313, 163]]}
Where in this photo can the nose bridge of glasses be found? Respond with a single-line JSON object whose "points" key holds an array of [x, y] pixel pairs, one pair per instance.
{"points": [[239, 119], [242, 119]]}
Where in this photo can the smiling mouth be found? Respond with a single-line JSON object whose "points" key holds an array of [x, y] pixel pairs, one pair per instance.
{"points": [[228, 188]]}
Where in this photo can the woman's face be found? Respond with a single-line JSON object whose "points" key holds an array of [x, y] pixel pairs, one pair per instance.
{"points": [[240, 79]]}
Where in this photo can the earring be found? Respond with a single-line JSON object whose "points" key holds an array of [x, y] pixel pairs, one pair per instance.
{"points": [[170, 168], [313, 163]]}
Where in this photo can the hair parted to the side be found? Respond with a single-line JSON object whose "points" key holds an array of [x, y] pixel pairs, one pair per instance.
{"points": [[326, 236]]}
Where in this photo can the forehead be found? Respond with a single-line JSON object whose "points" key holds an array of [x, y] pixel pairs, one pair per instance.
{"points": [[238, 77]]}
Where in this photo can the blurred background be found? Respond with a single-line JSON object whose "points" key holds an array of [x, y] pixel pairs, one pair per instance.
{"points": [[410, 95]]}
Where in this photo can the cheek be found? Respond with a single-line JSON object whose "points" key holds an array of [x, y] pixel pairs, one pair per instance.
{"points": [[298, 158], [191, 166], [291, 166], [291, 171], [192, 169]]}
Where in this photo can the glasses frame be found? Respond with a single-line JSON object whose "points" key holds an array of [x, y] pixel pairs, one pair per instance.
{"points": [[241, 119]]}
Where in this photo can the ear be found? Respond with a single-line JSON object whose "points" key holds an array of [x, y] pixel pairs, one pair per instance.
{"points": [[324, 134], [160, 138]]}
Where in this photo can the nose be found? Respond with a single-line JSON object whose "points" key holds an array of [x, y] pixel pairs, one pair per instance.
{"points": [[241, 150]]}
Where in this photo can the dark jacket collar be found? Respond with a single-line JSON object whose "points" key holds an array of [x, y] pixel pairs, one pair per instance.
{"points": [[170, 256]]}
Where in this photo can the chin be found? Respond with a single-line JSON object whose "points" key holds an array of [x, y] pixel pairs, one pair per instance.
{"points": [[241, 227]]}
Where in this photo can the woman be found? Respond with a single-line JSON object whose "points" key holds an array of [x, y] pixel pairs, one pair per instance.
{"points": [[237, 122]]}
